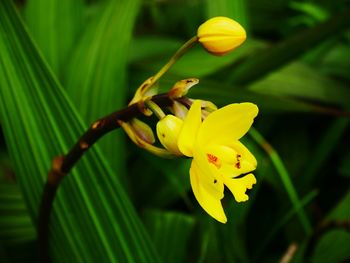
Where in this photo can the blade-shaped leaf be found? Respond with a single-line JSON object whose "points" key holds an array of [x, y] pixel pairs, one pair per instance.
{"points": [[198, 63], [324, 150], [15, 223], [332, 247], [301, 81], [235, 9], [93, 219], [97, 71], [169, 178], [341, 211], [280, 54], [54, 26], [337, 61], [222, 94], [143, 47], [170, 232]]}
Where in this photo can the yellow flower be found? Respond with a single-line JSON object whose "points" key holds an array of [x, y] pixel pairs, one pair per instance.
{"points": [[220, 35], [219, 158]]}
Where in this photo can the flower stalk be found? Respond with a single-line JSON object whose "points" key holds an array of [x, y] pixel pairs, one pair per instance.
{"points": [[62, 165], [144, 103], [187, 46]]}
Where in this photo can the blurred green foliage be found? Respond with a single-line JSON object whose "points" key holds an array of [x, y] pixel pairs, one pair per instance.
{"points": [[65, 63]]}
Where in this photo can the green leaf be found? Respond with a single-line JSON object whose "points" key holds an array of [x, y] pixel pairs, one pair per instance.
{"points": [[177, 183], [96, 74], [198, 63], [285, 178], [341, 211], [15, 223], [333, 247], [221, 94], [170, 232], [174, 17], [235, 9], [169, 178], [93, 219], [301, 81], [337, 61], [267, 17], [310, 9], [282, 221], [280, 54], [54, 25], [325, 149], [143, 48]]}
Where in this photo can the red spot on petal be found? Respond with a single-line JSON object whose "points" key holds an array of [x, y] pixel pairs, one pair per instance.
{"points": [[213, 159], [238, 163]]}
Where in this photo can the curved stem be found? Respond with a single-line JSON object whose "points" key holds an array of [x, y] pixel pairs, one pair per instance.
{"points": [[173, 59], [47, 198], [62, 165]]}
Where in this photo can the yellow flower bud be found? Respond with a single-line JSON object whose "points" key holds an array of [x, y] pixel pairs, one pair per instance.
{"points": [[168, 130], [220, 35]]}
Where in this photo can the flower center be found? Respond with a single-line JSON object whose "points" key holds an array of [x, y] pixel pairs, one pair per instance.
{"points": [[214, 160]]}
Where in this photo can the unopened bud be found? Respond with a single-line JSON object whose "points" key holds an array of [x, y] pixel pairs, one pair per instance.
{"points": [[179, 110], [220, 35], [142, 130], [168, 130]]}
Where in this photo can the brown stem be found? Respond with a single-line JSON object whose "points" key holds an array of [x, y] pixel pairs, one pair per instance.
{"points": [[103, 126], [47, 198], [62, 165]]}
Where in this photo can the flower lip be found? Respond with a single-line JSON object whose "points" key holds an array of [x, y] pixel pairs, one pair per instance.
{"points": [[241, 175]]}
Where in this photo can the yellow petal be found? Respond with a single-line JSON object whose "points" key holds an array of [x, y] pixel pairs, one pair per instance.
{"points": [[210, 178], [247, 160], [236, 159], [209, 203], [227, 124], [225, 153], [238, 186], [190, 127]]}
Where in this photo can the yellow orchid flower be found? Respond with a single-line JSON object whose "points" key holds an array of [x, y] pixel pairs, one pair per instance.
{"points": [[219, 158]]}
